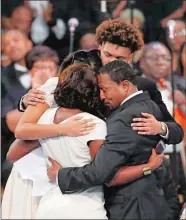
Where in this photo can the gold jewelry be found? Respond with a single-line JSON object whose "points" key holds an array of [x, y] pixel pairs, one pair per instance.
{"points": [[147, 171], [163, 128]]}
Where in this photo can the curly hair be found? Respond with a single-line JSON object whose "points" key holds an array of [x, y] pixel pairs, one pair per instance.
{"points": [[79, 90], [118, 32]]}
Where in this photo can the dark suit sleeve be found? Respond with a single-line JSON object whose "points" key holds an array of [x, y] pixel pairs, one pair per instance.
{"points": [[20, 106], [174, 128], [117, 148]]}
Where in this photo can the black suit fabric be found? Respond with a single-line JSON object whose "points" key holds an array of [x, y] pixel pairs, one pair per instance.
{"points": [[140, 199]]}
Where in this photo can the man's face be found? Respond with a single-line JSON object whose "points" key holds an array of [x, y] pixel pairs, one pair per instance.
{"points": [[111, 52], [22, 19], [16, 45], [156, 62], [110, 92]]}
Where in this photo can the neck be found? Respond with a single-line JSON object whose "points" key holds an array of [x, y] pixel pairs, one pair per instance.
{"points": [[21, 62], [131, 91]]}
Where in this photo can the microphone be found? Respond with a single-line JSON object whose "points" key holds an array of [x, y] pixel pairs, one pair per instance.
{"points": [[171, 25], [73, 23], [103, 6]]}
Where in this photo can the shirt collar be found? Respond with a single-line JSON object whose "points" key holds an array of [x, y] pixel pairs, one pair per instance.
{"points": [[18, 67], [131, 96]]}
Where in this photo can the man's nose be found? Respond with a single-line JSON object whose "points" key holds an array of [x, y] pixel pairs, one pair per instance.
{"points": [[102, 96]]}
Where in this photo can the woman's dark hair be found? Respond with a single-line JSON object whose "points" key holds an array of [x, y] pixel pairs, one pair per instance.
{"points": [[39, 53], [91, 58], [79, 90]]}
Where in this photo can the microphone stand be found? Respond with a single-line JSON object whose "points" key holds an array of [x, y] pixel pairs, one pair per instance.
{"points": [[174, 157], [71, 47], [131, 6]]}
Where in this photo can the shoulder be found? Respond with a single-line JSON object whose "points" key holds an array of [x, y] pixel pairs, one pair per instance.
{"points": [[93, 117], [100, 130], [49, 85], [145, 84]]}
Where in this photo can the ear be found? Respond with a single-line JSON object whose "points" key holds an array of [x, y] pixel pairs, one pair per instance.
{"points": [[99, 47], [141, 63], [125, 85], [131, 58]]}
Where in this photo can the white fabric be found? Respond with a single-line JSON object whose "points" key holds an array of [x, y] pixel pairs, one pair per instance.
{"points": [[37, 172], [71, 152], [18, 67], [49, 88], [39, 28], [59, 29], [183, 214], [24, 79], [131, 96], [18, 202]]}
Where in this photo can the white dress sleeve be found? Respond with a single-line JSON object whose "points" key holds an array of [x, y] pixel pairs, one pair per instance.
{"points": [[99, 132], [49, 88]]}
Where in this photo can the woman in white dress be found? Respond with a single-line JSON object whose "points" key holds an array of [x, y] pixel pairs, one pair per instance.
{"points": [[21, 204], [19, 150]]}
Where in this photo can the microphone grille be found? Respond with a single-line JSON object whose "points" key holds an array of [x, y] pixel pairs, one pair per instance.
{"points": [[73, 21]]}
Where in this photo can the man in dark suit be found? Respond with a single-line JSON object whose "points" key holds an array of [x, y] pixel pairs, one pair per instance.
{"points": [[140, 199]]}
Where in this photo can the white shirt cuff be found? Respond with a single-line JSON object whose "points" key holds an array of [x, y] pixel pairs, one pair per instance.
{"points": [[21, 106], [167, 134]]}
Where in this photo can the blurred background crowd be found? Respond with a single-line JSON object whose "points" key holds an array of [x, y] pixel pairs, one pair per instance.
{"points": [[35, 38]]}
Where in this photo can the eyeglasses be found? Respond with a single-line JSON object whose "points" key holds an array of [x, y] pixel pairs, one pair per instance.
{"points": [[91, 57], [155, 58], [182, 32], [43, 67]]}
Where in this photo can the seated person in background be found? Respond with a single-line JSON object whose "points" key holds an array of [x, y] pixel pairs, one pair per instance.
{"points": [[16, 47], [87, 39]]}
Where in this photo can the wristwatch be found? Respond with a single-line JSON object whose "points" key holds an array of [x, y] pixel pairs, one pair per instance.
{"points": [[147, 171], [163, 128]]}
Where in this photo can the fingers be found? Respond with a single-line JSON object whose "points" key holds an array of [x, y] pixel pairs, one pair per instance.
{"points": [[153, 152], [82, 120], [144, 133], [139, 124], [141, 128], [37, 91], [36, 99], [51, 160], [140, 120], [147, 115], [77, 118], [87, 121]]}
